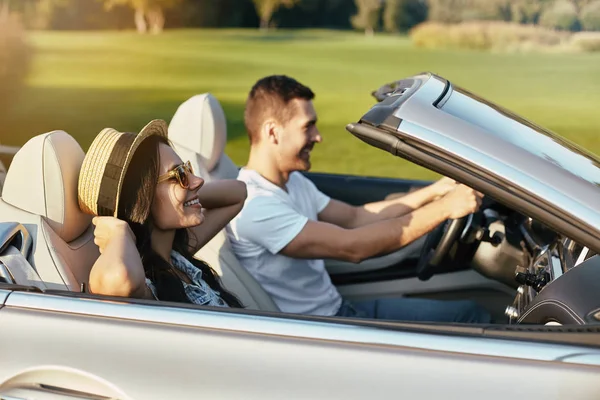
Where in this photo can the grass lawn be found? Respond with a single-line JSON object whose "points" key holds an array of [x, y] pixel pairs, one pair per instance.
{"points": [[84, 81]]}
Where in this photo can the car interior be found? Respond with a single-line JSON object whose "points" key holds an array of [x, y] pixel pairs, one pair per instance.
{"points": [[47, 242]]}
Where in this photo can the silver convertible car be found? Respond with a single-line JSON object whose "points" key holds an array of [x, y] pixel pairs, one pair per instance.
{"points": [[528, 256]]}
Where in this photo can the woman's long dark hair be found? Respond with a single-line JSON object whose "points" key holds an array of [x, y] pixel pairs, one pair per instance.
{"points": [[139, 187]]}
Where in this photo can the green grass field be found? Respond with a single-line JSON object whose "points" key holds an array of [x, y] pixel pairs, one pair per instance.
{"points": [[84, 81]]}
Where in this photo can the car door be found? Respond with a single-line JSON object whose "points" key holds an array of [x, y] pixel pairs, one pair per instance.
{"points": [[84, 347]]}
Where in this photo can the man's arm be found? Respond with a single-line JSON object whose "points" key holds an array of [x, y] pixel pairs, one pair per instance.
{"points": [[222, 200], [350, 217], [328, 241]]}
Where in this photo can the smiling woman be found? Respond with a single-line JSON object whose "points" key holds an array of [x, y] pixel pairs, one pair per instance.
{"points": [[145, 200]]}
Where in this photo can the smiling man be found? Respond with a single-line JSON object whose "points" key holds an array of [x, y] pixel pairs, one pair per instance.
{"points": [[287, 226]]}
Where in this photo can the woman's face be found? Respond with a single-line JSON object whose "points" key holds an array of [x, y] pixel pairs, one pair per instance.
{"points": [[175, 207]]}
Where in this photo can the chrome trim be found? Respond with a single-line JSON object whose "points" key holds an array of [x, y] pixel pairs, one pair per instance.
{"points": [[5, 273], [428, 92], [299, 329], [3, 296], [582, 256], [9, 230], [467, 226], [511, 312], [542, 253], [446, 96], [556, 267]]}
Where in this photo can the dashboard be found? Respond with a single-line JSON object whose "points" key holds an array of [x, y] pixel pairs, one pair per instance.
{"points": [[556, 279]]}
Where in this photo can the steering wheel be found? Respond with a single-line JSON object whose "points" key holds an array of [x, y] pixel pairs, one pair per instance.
{"points": [[438, 244]]}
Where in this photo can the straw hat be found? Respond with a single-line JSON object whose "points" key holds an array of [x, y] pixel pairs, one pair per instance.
{"points": [[105, 164]]}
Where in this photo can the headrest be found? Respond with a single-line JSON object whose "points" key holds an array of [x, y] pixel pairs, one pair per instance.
{"points": [[199, 125], [42, 179]]}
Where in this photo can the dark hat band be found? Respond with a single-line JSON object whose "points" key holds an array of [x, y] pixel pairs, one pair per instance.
{"points": [[109, 186]]}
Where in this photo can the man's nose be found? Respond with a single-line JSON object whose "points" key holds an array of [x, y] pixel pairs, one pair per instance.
{"points": [[317, 136]]}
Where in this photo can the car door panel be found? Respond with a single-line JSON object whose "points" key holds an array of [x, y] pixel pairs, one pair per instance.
{"points": [[167, 353], [457, 285], [58, 383], [400, 264], [358, 190]]}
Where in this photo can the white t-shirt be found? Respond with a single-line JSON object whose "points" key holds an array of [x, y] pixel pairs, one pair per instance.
{"points": [[270, 220]]}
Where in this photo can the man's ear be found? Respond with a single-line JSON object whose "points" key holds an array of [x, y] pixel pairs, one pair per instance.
{"points": [[271, 131]]}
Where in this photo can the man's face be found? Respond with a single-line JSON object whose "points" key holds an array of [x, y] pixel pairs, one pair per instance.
{"points": [[298, 137]]}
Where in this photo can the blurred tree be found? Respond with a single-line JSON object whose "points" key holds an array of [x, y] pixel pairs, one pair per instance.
{"points": [[448, 11], [36, 14], [266, 8], [213, 13], [317, 13], [369, 14], [590, 16], [579, 4], [528, 11], [44, 12], [4, 10], [521, 11], [495, 10], [401, 15], [86, 14], [562, 14], [148, 14], [15, 61]]}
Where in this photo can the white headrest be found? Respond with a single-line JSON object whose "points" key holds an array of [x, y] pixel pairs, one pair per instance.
{"points": [[199, 125], [42, 179]]}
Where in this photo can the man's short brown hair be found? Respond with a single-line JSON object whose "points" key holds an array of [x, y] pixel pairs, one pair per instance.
{"points": [[270, 98]]}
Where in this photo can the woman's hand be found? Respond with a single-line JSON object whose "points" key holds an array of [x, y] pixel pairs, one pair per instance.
{"points": [[110, 228], [119, 270]]}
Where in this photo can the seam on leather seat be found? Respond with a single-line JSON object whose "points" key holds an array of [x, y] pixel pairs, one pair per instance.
{"points": [[557, 303], [62, 191], [233, 270], [44, 175], [51, 251], [243, 281]]}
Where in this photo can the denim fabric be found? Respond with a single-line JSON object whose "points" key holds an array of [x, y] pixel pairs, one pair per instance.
{"points": [[198, 291], [412, 309]]}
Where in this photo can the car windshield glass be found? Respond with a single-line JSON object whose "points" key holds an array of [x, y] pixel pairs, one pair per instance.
{"points": [[520, 132]]}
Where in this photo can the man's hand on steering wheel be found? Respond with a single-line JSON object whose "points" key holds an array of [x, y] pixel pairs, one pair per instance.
{"points": [[461, 201]]}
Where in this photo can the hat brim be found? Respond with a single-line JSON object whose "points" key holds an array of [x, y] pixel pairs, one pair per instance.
{"points": [[105, 166]]}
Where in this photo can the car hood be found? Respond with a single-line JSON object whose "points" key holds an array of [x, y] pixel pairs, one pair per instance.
{"points": [[430, 121]]}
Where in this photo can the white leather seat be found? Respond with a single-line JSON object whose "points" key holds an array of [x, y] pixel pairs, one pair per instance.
{"points": [[40, 192], [198, 132], [2, 175]]}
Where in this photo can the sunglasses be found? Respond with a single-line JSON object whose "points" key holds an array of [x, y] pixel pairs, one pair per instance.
{"points": [[180, 173]]}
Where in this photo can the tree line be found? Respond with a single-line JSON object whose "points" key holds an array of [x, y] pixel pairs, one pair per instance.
{"points": [[368, 15]]}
